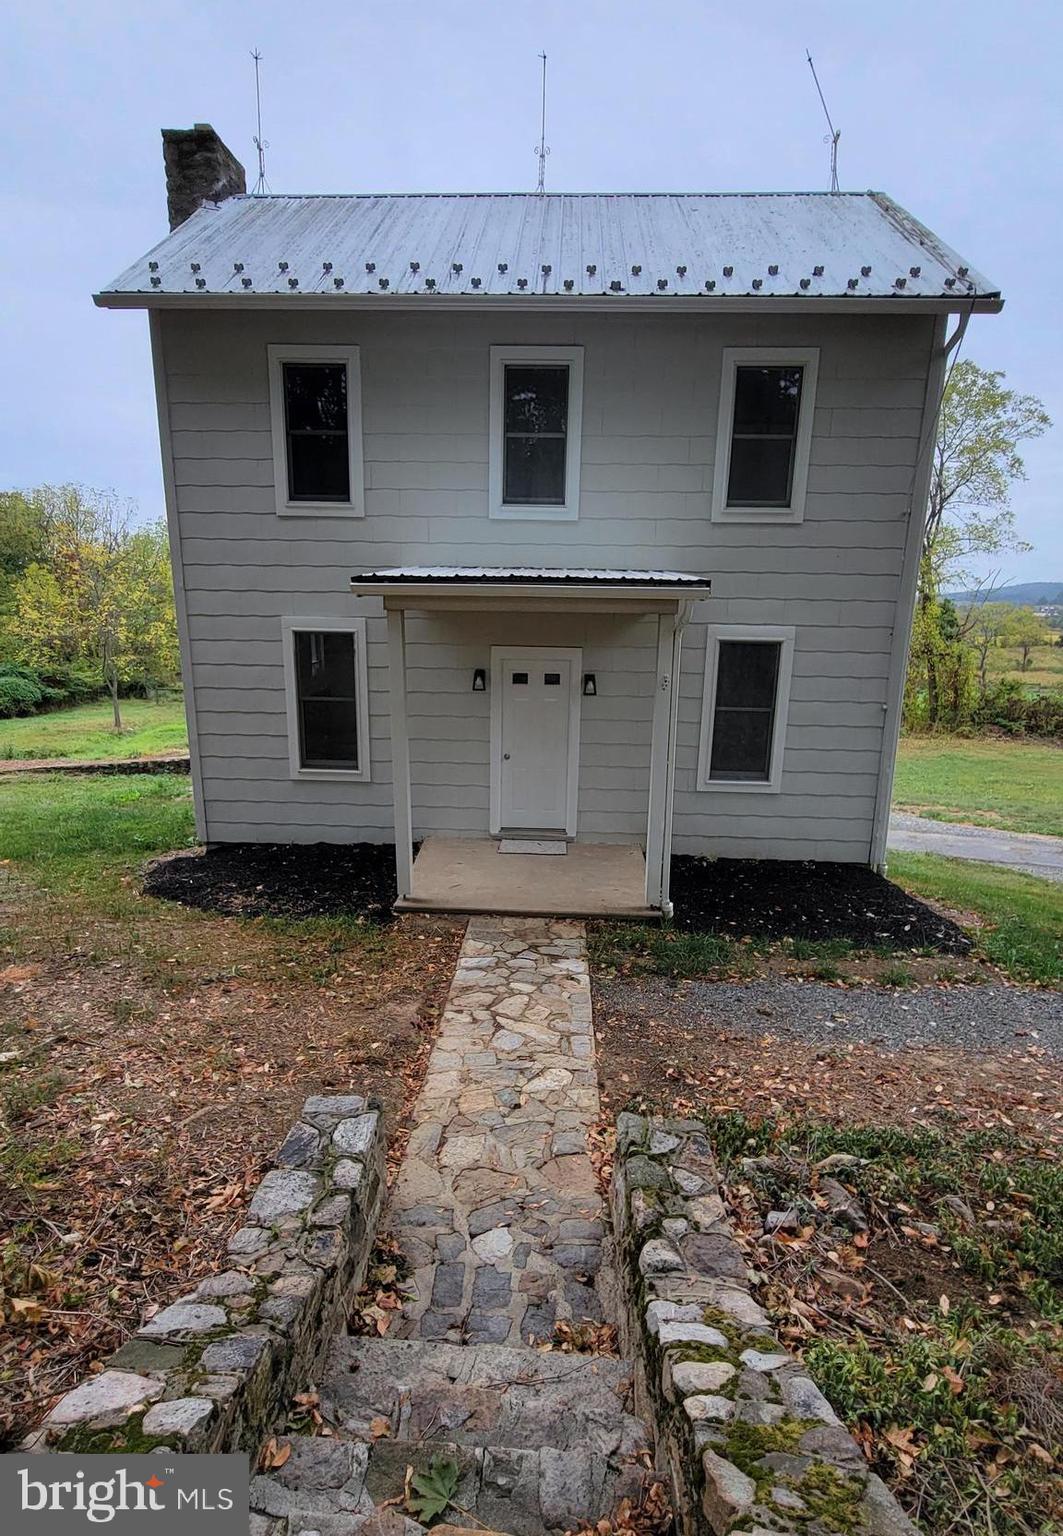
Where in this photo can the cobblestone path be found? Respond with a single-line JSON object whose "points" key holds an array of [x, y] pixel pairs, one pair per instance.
{"points": [[496, 1205]]}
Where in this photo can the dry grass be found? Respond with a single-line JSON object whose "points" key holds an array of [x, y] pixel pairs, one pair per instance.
{"points": [[150, 1060]]}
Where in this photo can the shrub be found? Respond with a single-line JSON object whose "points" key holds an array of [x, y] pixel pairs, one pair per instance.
{"points": [[24, 690], [1009, 707], [21, 691]]}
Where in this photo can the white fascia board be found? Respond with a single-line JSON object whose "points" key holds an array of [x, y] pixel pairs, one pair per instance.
{"points": [[604, 590]]}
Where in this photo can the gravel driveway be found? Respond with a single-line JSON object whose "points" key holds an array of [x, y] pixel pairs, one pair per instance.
{"points": [[969, 1018], [1027, 851]]}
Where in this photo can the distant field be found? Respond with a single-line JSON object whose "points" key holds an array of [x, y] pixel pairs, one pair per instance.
{"points": [[1014, 785], [1046, 666], [151, 726]]}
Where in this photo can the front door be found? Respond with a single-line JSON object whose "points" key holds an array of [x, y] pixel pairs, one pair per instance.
{"points": [[534, 739]]}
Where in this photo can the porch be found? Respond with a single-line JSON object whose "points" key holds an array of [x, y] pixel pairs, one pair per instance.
{"points": [[534, 756], [467, 874]]}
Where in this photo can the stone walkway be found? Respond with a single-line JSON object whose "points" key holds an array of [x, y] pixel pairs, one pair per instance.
{"points": [[497, 1208], [496, 1205]]}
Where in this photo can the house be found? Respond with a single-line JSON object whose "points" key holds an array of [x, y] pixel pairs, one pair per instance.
{"points": [[590, 520]]}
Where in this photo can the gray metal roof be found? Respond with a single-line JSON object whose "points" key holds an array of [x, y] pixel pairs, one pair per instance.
{"points": [[526, 575], [655, 247]]}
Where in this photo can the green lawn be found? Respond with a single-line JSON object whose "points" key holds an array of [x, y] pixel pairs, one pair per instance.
{"points": [[86, 731], [86, 832], [1014, 785], [1023, 916]]}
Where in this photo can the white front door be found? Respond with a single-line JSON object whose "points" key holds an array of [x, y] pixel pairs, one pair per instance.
{"points": [[535, 739]]}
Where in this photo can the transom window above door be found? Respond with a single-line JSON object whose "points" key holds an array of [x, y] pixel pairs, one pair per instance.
{"points": [[767, 399], [316, 419], [535, 425]]}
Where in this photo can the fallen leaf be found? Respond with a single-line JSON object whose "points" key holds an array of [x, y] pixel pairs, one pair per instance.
{"points": [[274, 1454], [25, 1309]]}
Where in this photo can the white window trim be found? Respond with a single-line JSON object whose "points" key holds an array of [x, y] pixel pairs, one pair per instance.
{"points": [[573, 357], [278, 356], [290, 627], [765, 357], [784, 633]]}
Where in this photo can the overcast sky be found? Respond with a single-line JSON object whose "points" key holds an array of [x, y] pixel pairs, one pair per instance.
{"points": [[954, 109]]}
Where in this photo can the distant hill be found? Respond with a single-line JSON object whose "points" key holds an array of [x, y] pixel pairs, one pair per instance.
{"points": [[1023, 593]]}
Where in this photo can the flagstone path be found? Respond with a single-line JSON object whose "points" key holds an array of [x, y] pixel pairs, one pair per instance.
{"points": [[496, 1205], [497, 1209]]}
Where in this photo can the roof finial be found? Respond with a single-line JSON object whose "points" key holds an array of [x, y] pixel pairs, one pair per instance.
{"points": [[835, 133], [261, 144], [542, 149]]}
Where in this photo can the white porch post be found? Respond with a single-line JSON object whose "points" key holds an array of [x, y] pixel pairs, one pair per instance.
{"points": [[659, 760], [400, 751], [673, 736]]}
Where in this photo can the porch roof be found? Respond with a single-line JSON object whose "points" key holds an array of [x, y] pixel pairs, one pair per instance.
{"points": [[406, 586]]}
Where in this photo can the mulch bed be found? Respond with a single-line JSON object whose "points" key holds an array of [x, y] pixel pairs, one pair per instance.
{"points": [[779, 899], [281, 880], [762, 898]]}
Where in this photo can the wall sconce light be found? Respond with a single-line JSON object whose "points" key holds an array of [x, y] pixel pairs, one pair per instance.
{"points": [[590, 685], [479, 680]]}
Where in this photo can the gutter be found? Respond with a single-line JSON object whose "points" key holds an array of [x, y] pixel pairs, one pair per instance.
{"points": [[989, 303]]}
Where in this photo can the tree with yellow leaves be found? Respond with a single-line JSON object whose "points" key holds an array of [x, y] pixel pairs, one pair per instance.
{"points": [[101, 597]]}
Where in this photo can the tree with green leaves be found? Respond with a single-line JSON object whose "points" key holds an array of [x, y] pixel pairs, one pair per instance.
{"points": [[976, 462], [99, 596], [23, 538], [1026, 629]]}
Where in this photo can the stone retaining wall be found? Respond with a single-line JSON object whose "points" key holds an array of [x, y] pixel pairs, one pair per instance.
{"points": [[213, 1371], [165, 763], [751, 1443]]}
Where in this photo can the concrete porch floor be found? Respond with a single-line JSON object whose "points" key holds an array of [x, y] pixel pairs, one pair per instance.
{"points": [[466, 874]]}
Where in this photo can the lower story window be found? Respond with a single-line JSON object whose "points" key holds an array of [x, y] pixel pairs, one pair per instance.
{"points": [[747, 686], [327, 698]]}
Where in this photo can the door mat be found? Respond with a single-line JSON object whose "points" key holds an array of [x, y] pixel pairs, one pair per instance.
{"points": [[532, 845]]}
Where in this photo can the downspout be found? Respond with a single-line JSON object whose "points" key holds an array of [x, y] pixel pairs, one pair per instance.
{"points": [[682, 620], [918, 497]]}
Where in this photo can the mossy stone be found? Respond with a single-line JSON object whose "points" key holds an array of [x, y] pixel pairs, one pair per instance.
{"points": [[643, 1173]]}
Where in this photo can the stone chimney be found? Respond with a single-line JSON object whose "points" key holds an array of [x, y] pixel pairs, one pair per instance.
{"points": [[199, 169]]}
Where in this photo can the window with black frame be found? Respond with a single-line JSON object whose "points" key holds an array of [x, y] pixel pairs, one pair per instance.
{"points": [[317, 431], [743, 721], [535, 433], [326, 688], [767, 409]]}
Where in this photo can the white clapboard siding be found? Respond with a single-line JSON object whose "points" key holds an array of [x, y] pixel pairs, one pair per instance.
{"points": [[651, 393]]}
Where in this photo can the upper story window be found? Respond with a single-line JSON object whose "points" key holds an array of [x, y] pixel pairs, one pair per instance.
{"points": [[744, 708], [535, 425], [767, 398], [315, 411], [326, 690]]}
